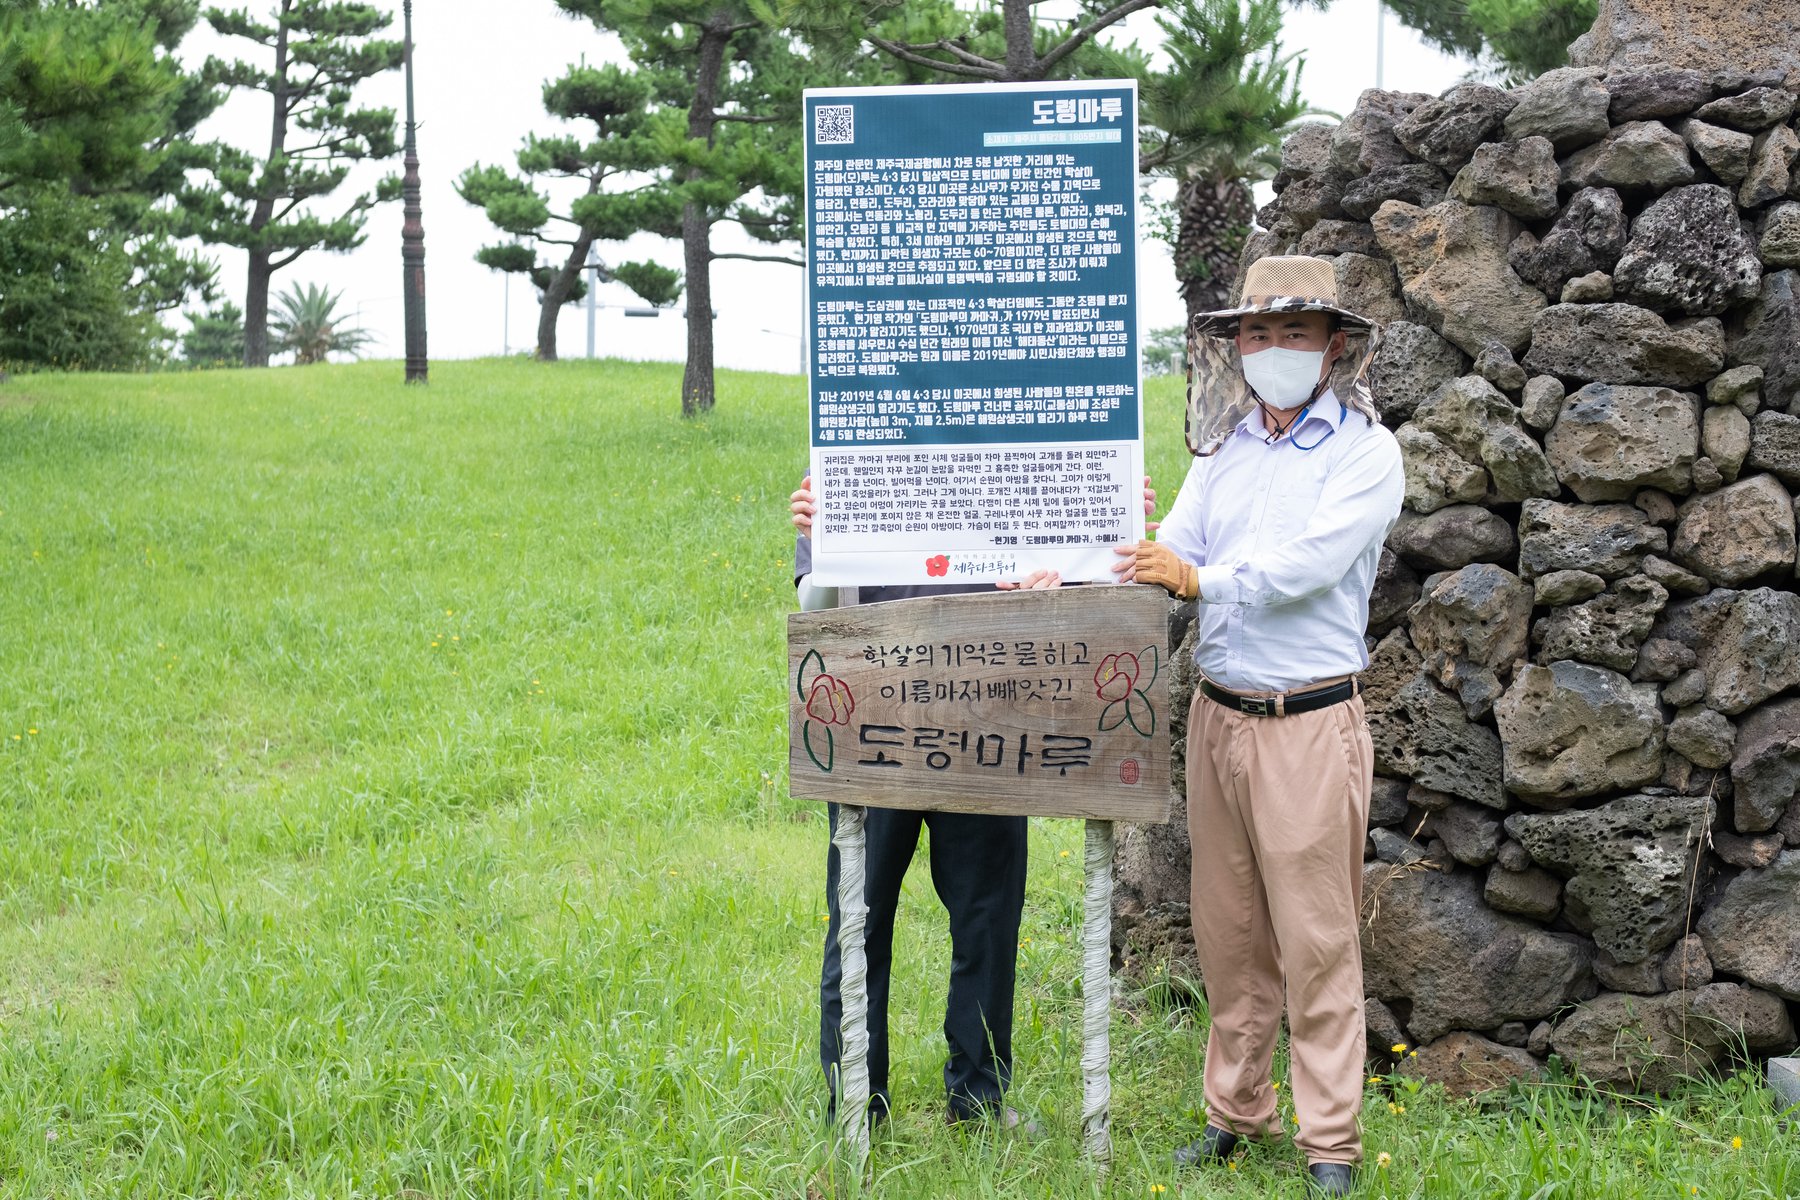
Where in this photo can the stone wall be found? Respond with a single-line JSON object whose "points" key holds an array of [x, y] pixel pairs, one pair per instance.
{"points": [[1585, 690]]}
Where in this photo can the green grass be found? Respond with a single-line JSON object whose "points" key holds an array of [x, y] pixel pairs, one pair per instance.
{"points": [[395, 805]]}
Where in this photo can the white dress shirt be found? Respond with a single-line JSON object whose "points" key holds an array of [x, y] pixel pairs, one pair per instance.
{"points": [[1287, 537]]}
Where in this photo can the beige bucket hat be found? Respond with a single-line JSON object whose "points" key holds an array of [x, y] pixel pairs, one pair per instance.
{"points": [[1218, 397]]}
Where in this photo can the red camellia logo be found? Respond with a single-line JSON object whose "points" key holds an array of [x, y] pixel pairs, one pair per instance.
{"points": [[938, 565], [830, 702], [1115, 676]]}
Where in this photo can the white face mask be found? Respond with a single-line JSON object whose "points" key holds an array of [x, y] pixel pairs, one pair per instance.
{"points": [[1284, 378]]}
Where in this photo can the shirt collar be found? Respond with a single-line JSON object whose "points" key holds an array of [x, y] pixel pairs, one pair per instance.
{"points": [[1327, 408]]}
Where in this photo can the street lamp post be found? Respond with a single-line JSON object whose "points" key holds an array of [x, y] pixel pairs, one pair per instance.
{"points": [[412, 232]]}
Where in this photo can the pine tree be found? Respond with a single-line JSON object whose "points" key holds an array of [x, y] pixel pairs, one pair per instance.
{"points": [[94, 118], [999, 41], [726, 129], [616, 102], [318, 52], [1213, 121]]}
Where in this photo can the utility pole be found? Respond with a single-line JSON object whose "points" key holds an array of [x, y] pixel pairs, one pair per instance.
{"points": [[1380, 38], [412, 232], [593, 265]]}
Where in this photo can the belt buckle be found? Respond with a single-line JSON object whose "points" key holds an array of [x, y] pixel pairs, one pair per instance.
{"points": [[1255, 706]]}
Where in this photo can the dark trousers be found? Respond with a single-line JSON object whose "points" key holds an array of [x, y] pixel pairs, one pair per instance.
{"points": [[978, 869]]}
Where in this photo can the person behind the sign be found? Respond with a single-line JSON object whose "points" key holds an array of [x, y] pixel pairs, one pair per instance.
{"points": [[978, 871], [1277, 531]]}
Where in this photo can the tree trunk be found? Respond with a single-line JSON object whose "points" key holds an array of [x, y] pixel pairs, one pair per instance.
{"points": [[256, 288], [1215, 217], [696, 226], [696, 245], [256, 310], [557, 295], [1021, 55]]}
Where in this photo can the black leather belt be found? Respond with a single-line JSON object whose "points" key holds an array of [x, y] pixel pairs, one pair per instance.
{"points": [[1289, 705]]}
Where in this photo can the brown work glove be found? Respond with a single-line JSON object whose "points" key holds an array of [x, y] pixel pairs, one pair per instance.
{"points": [[1153, 562]]}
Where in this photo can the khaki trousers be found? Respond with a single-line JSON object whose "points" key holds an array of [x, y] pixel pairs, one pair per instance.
{"points": [[1278, 810]]}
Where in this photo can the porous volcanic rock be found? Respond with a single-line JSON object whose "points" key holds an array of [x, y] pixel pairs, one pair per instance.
{"points": [[1775, 446], [1422, 732], [1568, 106], [1779, 239], [1365, 141], [1411, 363], [1610, 440], [1453, 264], [1765, 766], [1729, 36], [1589, 236], [1436, 475], [1647, 93], [1622, 343], [1532, 892], [1467, 1064], [1571, 730], [1608, 540], [1689, 253], [1771, 164], [1656, 1043], [1753, 931], [1521, 177], [1767, 335], [1756, 109], [1726, 152], [1428, 939], [1744, 642], [1452, 537], [1480, 614], [1725, 438], [1411, 183], [1638, 157], [1633, 865], [1447, 130], [1738, 534], [1606, 630]]}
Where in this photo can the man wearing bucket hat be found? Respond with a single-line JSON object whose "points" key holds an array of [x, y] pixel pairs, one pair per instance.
{"points": [[1277, 532]]}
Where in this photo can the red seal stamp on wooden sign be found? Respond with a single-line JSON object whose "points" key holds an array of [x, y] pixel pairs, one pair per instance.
{"points": [[1128, 771]]}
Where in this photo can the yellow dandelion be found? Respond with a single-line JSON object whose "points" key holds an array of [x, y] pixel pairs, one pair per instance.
{"points": [[1158, 1188], [1398, 1047], [1064, 854], [1412, 1054], [456, 639], [1393, 1108], [1232, 1164], [1374, 1079], [673, 871], [1737, 1143], [1276, 1084], [33, 733], [1384, 1160], [17, 738]]}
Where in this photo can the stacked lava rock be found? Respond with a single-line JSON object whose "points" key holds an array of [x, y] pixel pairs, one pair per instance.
{"points": [[1585, 690]]}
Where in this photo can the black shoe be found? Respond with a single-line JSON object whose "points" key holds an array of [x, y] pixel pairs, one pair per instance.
{"points": [[1214, 1145], [1330, 1179]]}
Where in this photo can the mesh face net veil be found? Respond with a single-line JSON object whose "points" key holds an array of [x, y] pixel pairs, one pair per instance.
{"points": [[1217, 395]]}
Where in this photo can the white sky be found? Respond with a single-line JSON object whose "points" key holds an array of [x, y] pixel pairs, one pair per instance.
{"points": [[478, 81]]}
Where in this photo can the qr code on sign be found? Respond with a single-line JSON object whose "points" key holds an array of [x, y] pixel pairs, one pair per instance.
{"points": [[834, 125]]}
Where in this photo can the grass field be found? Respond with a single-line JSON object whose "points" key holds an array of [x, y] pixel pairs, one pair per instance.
{"points": [[395, 806]]}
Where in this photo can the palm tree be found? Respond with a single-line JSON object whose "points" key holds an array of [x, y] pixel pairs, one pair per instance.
{"points": [[308, 325], [1214, 122]]}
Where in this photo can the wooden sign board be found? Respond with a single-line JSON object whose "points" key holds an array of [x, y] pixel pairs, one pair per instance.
{"points": [[1049, 703]]}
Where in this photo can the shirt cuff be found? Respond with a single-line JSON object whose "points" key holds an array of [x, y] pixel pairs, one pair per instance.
{"points": [[1218, 584]]}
